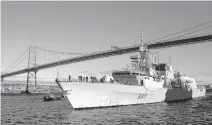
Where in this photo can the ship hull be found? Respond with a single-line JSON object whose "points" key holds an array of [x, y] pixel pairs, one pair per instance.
{"points": [[91, 95]]}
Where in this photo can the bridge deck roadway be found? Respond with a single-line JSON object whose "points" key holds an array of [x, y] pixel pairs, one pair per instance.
{"points": [[107, 53]]}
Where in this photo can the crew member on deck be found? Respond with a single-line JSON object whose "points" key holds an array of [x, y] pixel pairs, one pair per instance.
{"points": [[86, 78], [69, 78]]}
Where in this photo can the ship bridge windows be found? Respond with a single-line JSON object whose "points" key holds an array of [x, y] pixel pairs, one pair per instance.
{"points": [[121, 73], [128, 73], [160, 67], [141, 74]]}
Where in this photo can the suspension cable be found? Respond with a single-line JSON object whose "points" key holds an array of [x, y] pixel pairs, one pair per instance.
{"points": [[18, 63], [57, 51], [17, 59], [180, 32], [189, 33]]}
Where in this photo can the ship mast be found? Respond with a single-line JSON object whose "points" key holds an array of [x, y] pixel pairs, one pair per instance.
{"points": [[144, 62], [141, 37]]}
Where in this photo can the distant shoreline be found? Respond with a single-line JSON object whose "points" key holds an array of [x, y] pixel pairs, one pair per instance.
{"points": [[16, 88], [20, 94], [24, 82], [32, 94]]}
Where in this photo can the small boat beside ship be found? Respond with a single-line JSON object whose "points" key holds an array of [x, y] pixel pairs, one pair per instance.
{"points": [[51, 97], [143, 82]]}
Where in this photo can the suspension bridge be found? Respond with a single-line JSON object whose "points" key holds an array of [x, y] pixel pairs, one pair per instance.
{"points": [[36, 59]]}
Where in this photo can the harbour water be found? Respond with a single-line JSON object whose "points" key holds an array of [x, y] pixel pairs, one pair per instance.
{"points": [[32, 110]]}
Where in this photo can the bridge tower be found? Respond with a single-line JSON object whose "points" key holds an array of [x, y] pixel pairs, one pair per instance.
{"points": [[31, 75]]}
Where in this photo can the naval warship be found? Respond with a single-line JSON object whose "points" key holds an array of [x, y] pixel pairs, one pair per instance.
{"points": [[144, 81]]}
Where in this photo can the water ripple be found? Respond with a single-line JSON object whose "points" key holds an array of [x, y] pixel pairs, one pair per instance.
{"points": [[32, 110]]}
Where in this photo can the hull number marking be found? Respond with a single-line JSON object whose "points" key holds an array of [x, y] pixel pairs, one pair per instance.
{"points": [[142, 96]]}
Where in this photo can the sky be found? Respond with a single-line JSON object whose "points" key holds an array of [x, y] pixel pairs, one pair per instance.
{"points": [[82, 27]]}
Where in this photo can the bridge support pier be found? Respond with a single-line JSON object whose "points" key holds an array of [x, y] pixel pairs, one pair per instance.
{"points": [[31, 75], [2, 79], [35, 78], [31, 79]]}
